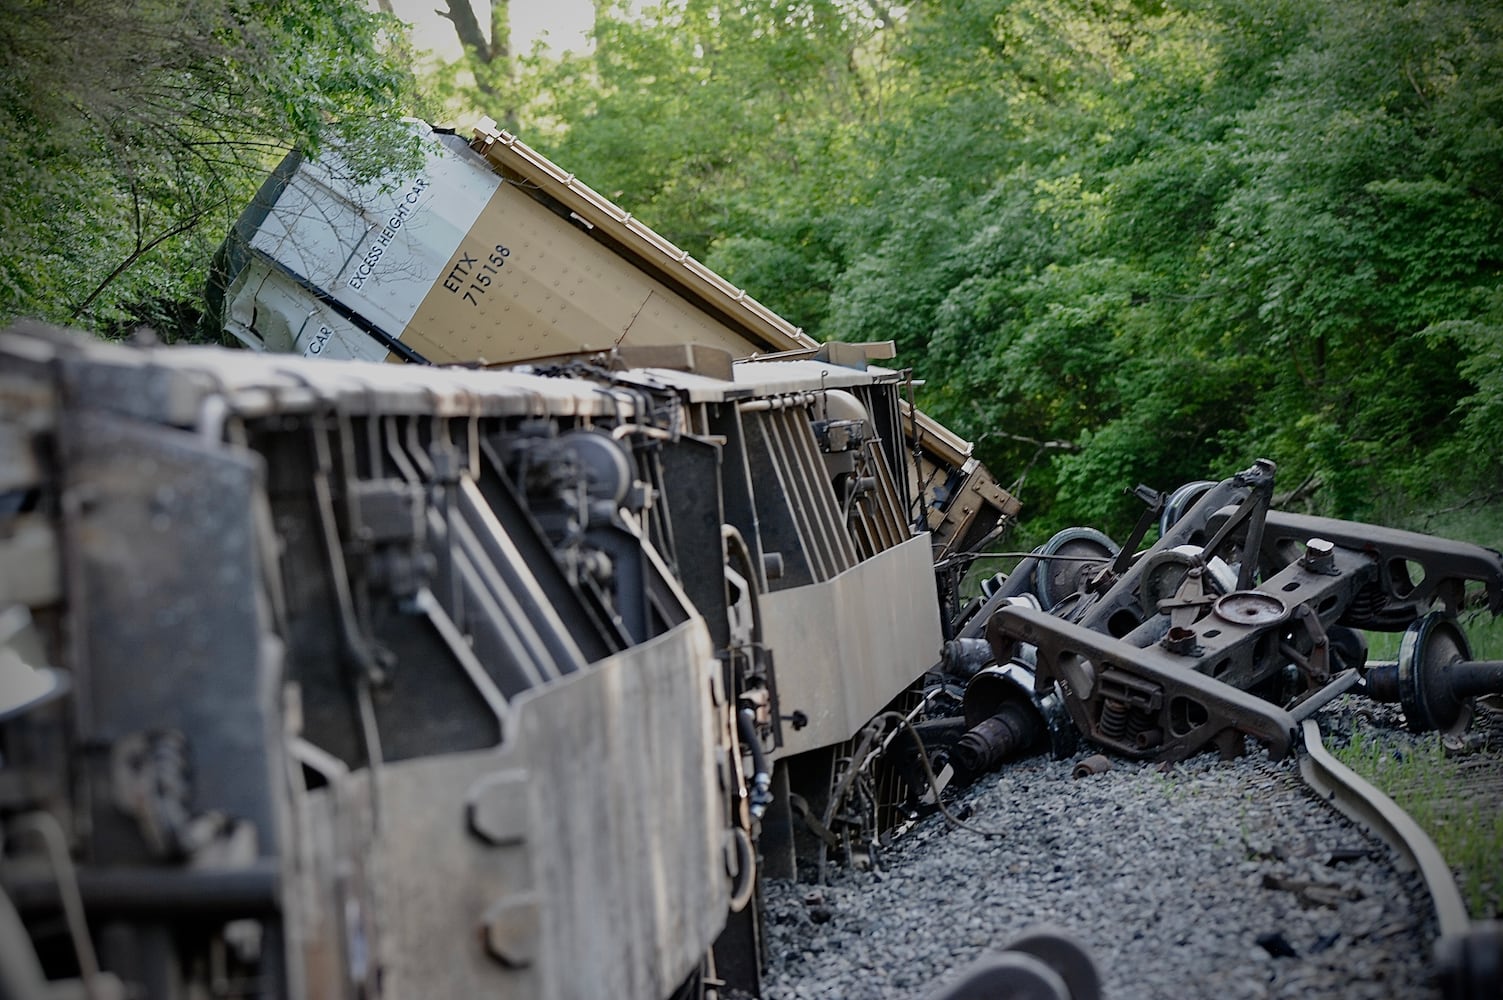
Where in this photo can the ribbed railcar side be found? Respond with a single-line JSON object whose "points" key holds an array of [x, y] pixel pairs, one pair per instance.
{"points": [[387, 680]]}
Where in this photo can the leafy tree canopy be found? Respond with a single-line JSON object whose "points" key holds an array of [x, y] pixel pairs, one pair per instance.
{"points": [[1121, 240], [131, 136]]}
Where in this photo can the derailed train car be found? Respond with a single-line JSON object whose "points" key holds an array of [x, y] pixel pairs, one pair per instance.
{"points": [[367, 679], [341, 679], [489, 253]]}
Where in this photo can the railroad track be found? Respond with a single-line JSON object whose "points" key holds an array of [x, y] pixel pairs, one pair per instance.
{"points": [[1468, 951], [1247, 878]]}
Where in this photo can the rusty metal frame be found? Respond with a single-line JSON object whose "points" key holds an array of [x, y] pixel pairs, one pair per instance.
{"points": [[1202, 664]]}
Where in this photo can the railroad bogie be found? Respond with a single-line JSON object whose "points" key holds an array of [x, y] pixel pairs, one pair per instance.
{"points": [[1241, 620]]}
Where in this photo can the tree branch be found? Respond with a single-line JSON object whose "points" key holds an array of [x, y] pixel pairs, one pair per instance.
{"points": [[141, 250], [1042, 446], [1468, 502], [1303, 492], [462, 16]]}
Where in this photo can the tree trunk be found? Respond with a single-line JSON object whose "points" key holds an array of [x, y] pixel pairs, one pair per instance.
{"points": [[462, 16], [488, 59], [500, 60]]}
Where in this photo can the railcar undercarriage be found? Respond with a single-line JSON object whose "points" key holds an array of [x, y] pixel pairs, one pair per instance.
{"points": [[1239, 620]]}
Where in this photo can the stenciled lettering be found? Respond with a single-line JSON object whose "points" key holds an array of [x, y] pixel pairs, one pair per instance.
{"points": [[319, 340], [406, 208], [471, 276]]}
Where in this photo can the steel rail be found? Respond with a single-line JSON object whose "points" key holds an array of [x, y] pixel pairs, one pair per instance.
{"points": [[1468, 954], [1365, 805]]}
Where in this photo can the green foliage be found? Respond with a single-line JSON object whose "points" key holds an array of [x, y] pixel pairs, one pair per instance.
{"points": [[132, 135], [713, 122], [1122, 241], [1429, 787], [1479, 343], [1361, 218]]}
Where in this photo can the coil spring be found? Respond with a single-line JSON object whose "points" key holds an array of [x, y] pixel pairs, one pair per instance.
{"points": [[1367, 603], [1138, 722], [1113, 722]]}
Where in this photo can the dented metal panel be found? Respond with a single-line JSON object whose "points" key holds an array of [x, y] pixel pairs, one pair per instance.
{"points": [[531, 871], [848, 645]]}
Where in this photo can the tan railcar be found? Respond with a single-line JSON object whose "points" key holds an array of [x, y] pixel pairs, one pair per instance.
{"points": [[493, 254]]}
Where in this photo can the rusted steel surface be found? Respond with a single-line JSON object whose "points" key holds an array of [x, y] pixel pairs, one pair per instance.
{"points": [[1240, 619]]}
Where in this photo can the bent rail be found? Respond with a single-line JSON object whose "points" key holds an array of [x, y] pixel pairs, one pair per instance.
{"points": [[1468, 954], [1368, 807]]}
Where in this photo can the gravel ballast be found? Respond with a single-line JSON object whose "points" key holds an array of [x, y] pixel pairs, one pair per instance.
{"points": [[1223, 880]]}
